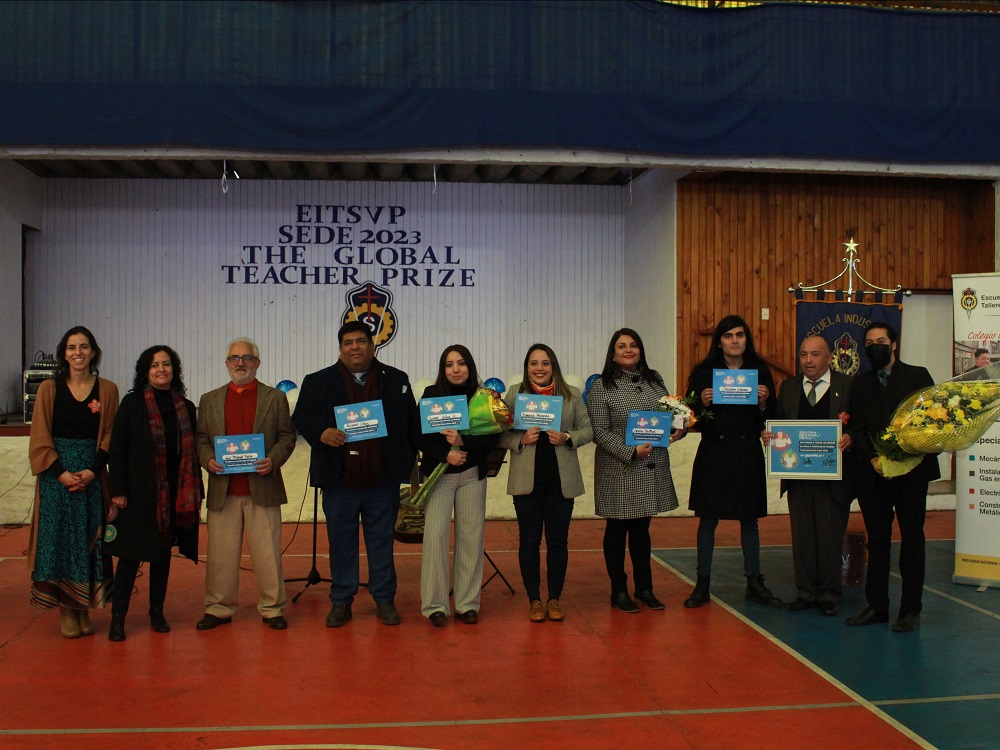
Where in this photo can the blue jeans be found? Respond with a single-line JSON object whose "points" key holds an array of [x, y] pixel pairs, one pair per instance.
{"points": [[377, 508], [749, 540]]}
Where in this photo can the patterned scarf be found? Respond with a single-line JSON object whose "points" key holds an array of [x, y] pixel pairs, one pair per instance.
{"points": [[188, 479], [544, 390], [363, 459]]}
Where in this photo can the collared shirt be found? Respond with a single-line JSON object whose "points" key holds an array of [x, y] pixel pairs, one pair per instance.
{"points": [[822, 385]]}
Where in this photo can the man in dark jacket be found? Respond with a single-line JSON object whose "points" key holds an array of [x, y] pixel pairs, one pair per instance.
{"points": [[876, 395], [818, 509], [359, 478]]}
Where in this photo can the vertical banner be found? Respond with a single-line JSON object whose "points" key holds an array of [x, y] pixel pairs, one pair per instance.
{"points": [[977, 470], [843, 325]]}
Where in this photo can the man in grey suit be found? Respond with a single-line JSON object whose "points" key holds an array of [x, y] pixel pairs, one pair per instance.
{"points": [[818, 509], [248, 502]]}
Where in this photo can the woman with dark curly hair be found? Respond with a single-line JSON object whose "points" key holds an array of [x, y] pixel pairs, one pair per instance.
{"points": [[68, 450], [155, 483]]}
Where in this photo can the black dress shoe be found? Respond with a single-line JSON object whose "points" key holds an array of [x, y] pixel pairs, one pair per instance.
{"points": [[208, 622], [800, 604], [647, 598], [117, 630], [469, 617], [339, 615], [829, 608], [906, 623], [387, 613], [157, 621], [278, 622], [438, 619], [624, 602], [867, 616]]}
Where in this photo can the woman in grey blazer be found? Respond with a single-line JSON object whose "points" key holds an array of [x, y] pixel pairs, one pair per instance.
{"points": [[631, 484], [544, 477]]}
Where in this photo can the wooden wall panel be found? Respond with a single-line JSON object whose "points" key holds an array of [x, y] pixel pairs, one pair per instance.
{"points": [[743, 239]]}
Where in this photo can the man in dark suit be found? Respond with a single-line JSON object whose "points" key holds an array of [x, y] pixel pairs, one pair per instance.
{"points": [[876, 395], [818, 509], [360, 478], [244, 504]]}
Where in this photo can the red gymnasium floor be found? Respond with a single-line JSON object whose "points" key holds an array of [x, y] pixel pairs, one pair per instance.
{"points": [[704, 678]]}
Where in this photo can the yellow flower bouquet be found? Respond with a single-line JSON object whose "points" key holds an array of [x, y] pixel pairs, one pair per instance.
{"points": [[947, 417]]}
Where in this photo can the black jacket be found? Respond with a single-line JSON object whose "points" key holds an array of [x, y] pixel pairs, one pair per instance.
{"points": [[130, 473], [434, 447], [873, 406], [314, 412]]}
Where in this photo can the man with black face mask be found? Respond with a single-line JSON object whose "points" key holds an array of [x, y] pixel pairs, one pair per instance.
{"points": [[876, 395]]}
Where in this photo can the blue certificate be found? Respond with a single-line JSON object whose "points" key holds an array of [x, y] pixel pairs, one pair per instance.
{"points": [[534, 410], [734, 387], [648, 427], [361, 421], [238, 453], [804, 449], [443, 413]]}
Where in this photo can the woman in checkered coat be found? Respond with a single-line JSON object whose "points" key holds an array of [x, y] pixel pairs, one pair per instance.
{"points": [[631, 483]]}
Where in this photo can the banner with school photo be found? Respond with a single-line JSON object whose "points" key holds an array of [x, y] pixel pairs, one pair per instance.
{"points": [[976, 299], [843, 325]]}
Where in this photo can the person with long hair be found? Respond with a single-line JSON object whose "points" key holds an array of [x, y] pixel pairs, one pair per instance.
{"points": [[155, 483], [631, 484], [462, 491], [544, 477], [727, 480], [68, 452]]}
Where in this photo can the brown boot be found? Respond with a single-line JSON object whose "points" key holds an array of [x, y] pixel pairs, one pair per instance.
{"points": [[68, 624]]}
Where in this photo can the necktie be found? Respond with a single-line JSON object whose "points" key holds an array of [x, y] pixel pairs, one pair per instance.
{"points": [[883, 378], [811, 396]]}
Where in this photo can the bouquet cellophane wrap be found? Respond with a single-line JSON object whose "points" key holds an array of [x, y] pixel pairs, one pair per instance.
{"points": [[947, 417], [488, 415]]}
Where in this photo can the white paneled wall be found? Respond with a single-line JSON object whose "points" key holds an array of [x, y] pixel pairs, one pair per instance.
{"points": [[140, 262]]}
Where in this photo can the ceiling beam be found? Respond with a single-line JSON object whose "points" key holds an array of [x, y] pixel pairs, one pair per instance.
{"points": [[494, 172], [354, 170]]}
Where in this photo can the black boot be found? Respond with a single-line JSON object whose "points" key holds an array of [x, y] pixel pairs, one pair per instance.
{"points": [[157, 621], [700, 594], [117, 630], [758, 592], [621, 600]]}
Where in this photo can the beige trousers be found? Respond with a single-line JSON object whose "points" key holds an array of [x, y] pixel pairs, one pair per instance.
{"points": [[226, 527]]}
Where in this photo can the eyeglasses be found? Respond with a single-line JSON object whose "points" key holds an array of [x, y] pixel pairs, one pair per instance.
{"points": [[247, 359]]}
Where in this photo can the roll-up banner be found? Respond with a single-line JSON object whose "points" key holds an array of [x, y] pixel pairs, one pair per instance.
{"points": [[977, 470]]}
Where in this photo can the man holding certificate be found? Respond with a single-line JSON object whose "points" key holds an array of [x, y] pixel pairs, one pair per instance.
{"points": [[818, 509], [360, 472], [250, 423]]}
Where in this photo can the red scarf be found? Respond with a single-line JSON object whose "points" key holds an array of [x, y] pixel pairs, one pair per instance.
{"points": [[188, 472], [546, 390]]}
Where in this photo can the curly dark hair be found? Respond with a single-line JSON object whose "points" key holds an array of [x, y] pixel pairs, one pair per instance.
{"points": [[146, 359], [62, 368], [715, 358]]}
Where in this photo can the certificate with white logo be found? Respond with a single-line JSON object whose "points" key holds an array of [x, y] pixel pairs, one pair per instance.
{"points": [[648, 427], [734, 387], [535, 410], [237, 454], [362, 421], [444, 413], [804, 449]]}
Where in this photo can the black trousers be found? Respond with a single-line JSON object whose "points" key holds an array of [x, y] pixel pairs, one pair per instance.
{"points": [[125, 573], [545, 509], [636, 531], [905, 500]]}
